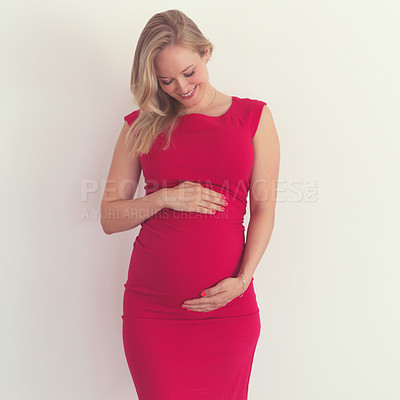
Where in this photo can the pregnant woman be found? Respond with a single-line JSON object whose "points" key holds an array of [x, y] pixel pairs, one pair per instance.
{"points": [[190, 321]]}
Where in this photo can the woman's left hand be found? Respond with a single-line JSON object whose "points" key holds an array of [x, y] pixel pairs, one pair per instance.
{"points": [[217, 296]]}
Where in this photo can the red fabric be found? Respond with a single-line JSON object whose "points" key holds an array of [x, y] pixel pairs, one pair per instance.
{"points": [[172, 353]]}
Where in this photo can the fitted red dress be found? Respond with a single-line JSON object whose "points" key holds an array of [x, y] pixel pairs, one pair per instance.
{"points": [[172, 353]]}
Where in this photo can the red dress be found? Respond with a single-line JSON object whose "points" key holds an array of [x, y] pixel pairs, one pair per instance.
{"points": [[172, 353]]}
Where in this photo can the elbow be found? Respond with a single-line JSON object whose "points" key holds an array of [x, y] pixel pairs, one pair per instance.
{"points": [[104, 221], [265, 211], [105, 226], [265, 215], [106, 229]]}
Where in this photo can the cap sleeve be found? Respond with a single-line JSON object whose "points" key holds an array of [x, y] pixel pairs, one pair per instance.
{"points": [[130, 118], [256, 110]]}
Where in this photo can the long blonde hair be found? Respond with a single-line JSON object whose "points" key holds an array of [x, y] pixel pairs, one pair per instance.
{"points": [[159, 112]]}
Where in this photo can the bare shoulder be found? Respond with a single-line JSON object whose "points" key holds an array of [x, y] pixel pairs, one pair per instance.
{"points": [[266, 126], [121, 150], [266, 136]]}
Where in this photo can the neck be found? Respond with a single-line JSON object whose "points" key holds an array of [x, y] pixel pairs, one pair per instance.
{"points": [[210, 98]]}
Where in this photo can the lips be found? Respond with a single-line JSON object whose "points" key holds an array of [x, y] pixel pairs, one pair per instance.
{"points": [[187, 93], [192, 92]]}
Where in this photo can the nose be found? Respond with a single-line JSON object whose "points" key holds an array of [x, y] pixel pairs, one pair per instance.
{"points": [[183, 88]]}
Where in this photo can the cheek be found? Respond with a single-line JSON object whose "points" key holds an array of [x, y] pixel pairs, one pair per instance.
{"points": [[170, 90], [166, 89], [201, 77]]}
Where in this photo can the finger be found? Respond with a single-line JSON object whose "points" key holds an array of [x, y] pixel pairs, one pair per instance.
{"points": [[203, 308], [214, 201], [207, 194], [190, 303], [203, 210], [204, 301], [198, 302], [213, 193], [209, 296], [211, 205]]}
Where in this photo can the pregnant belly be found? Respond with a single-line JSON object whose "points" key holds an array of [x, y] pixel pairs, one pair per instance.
{"points": [[175, 260]]}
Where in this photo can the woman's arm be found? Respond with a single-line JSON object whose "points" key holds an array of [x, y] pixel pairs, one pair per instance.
{"points": [[263, 189], [122, 215], [119, 210]]}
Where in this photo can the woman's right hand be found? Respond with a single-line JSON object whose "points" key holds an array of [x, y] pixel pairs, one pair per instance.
{"points": [[192, 196]]}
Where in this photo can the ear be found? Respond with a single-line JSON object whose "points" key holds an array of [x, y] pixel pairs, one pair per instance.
{"points": [[207, 55]]}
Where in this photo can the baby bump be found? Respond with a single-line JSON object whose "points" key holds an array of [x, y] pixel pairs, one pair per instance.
{"points": [[173, 261]]}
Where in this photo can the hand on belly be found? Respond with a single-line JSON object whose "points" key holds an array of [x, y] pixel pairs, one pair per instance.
{"points": [[215, 297]]}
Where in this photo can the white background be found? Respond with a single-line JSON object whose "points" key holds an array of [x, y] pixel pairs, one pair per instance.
{"points": [[328, 284]]}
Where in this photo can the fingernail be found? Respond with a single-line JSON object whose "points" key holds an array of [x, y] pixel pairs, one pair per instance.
{"points": [[224, 197], [203, 293]]}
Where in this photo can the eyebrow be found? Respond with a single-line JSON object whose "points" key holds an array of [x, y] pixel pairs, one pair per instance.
{"points": [[181, 72]]}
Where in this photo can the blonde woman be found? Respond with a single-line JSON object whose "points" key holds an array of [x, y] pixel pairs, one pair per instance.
{"points": [[190, 318]]}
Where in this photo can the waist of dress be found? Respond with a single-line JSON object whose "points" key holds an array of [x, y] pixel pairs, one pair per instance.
{"points": [[229, 217]]}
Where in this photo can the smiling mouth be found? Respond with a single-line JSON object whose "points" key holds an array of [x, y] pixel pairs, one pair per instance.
{"points": [[189, 93]]}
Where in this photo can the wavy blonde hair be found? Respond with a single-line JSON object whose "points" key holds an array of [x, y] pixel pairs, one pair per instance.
{"points": [[159, 112]]}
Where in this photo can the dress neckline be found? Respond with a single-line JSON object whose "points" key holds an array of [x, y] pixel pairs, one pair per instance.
{"points": [[226, 113]]}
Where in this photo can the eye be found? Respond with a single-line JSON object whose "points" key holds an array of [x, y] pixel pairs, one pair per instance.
{"points": [[185, 75]]}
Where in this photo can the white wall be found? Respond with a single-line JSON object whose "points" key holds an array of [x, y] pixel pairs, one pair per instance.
{"points": [[327, 285]]}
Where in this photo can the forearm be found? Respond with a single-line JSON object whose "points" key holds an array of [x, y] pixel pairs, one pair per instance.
{"points": [[259, 232], [123, 215]]}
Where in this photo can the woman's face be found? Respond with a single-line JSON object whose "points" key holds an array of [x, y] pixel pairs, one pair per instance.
{"points": [[180, 70]]}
